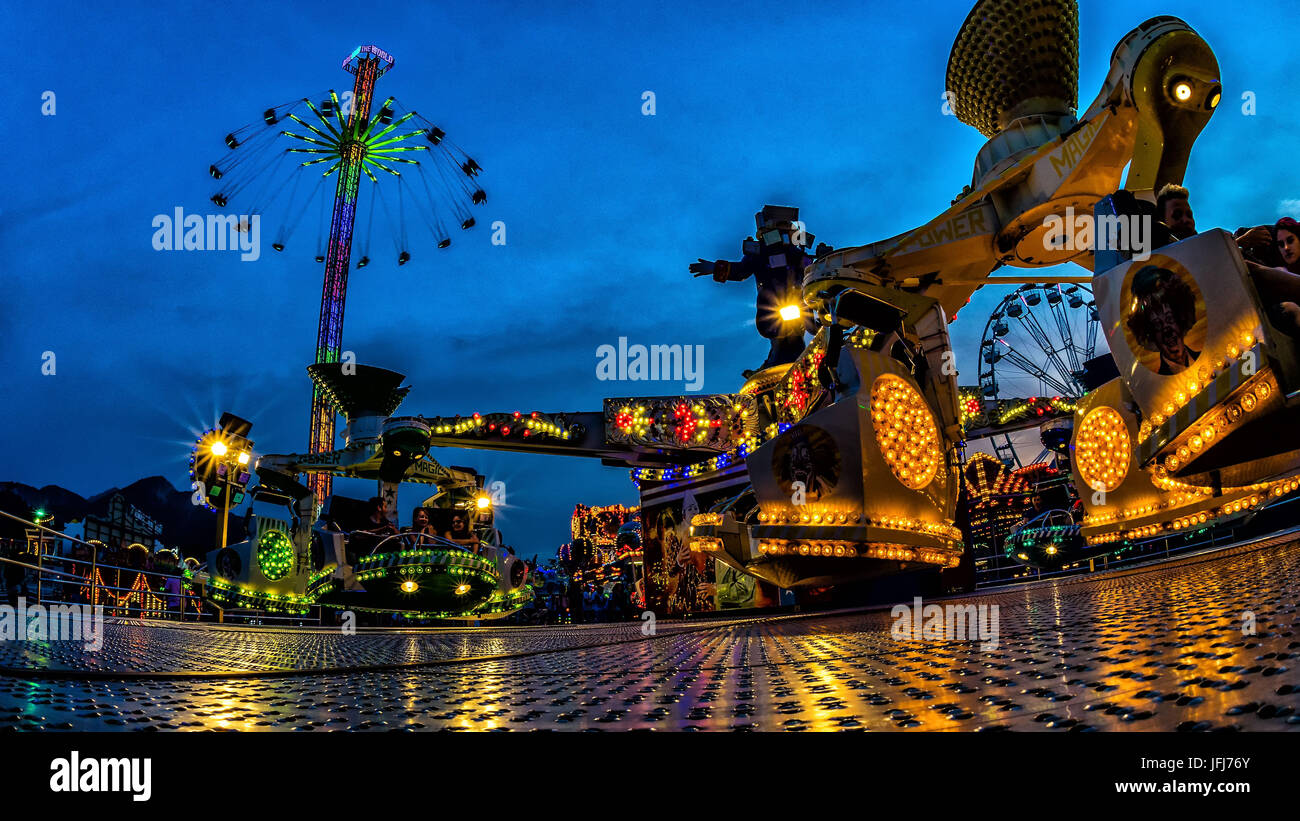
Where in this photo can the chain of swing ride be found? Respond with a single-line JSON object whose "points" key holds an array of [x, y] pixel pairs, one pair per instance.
{"points": [[255, 177]]}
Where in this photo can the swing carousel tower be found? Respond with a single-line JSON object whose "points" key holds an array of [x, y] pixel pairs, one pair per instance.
{"points": [[351, 142]]}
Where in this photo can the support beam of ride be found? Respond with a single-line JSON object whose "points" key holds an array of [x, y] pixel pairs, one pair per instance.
{"points": [[329, 335]]}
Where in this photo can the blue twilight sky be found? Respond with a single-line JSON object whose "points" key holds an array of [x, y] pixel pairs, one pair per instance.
{"points": [[833, 107]]}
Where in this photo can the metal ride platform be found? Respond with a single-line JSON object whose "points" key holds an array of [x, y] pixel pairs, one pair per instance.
{"points": [[1159, 647]]}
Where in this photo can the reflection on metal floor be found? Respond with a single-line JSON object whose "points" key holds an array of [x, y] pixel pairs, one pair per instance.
{"points": [[1157, 648]]}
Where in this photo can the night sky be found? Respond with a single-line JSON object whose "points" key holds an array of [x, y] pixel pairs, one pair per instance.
{"points": [[835, 109]]}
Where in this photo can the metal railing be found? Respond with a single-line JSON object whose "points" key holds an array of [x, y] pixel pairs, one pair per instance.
{"points": [[1156, 549], [124, 591]]}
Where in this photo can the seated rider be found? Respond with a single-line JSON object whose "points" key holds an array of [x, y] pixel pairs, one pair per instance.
{"points": [[420, 526], [461, 533], [1174, 210], [1275, 269], [1286, 236], [1262, 248], [376, 528], [1284, 275]]}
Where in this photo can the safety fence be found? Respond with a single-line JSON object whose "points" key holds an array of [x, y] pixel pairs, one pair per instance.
{"points": [[1277, 517], [40, 570]]}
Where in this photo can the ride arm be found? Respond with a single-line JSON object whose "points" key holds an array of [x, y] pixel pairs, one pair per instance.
{"points": [[726, 271]]}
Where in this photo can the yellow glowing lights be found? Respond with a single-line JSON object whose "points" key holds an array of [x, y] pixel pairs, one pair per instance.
{"points": [[483, 501], [243, 457], [790, 313], [1260, 496], [706, 544], [410, 586], [905, 431], [853, 550], [1182, 91], [1103, 449], [462, 589], [218, 448], [1201, 380]]}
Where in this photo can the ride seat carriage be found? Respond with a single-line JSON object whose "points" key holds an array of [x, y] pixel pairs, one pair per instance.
{"points": [[411, 572], [1200, 354], [337, 534], [339, 517], [1202, 422]]}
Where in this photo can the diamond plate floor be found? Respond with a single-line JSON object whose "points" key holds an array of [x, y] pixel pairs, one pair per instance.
{"points": [[1157, 648]]}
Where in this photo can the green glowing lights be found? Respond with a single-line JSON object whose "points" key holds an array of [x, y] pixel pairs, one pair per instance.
{"points": [[274, 555]]}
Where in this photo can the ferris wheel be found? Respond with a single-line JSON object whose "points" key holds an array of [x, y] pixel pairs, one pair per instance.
{"points": [[1037, 343]]}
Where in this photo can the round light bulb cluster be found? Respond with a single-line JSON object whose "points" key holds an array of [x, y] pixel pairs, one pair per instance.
{"points": [[905, 431], [274, 555], [1103, 449]]}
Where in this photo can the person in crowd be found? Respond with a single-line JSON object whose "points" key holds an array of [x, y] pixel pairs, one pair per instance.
{"points": [[461, 533], [14, 575], [618, 602], [1174, 210], [1277, 275], [172, 586], [575, 599], [378, 521], [1286, 241]]}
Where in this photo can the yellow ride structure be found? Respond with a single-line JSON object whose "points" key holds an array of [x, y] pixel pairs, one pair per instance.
{"points": [[1162, 448]]}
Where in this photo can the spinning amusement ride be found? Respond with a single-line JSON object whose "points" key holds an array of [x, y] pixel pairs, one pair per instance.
{"points": [[846, 463], [348, 142]]}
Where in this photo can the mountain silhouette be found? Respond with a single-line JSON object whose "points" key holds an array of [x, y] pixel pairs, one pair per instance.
{"points": [[184, 525]]}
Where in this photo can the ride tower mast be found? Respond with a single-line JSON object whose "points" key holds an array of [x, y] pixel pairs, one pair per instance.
{"points": [[367, 64]]}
